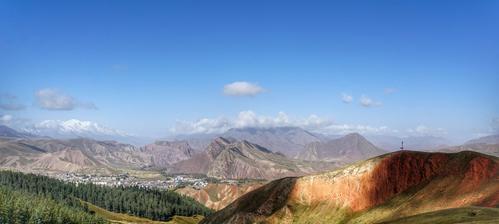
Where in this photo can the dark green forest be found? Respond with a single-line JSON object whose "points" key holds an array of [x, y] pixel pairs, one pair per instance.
{"points": [[148, 203], [19, 207]]}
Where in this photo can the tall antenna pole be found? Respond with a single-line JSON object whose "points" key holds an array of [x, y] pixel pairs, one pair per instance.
{"points": [[402, 146]]}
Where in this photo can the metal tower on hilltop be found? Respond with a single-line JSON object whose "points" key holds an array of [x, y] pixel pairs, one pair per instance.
{"points": [[402, 146]]}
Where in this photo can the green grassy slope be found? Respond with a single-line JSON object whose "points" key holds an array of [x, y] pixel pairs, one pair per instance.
{"points": [[121, 218], [478, 215]]}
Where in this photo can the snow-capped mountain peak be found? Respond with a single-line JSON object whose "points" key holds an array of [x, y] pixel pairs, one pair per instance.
{"points": [[73, 128]]}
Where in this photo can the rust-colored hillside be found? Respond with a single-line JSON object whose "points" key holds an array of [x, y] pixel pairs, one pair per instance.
{"points": [[391, 186]]}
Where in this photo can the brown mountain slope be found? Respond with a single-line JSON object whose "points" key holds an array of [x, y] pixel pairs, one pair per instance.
{"points": [[75, 155], [489, 149], [349, 148], [391, 186], [287, 140], [233, 159], [218, 195], [164, 153], [491, 139], [200, 162]]}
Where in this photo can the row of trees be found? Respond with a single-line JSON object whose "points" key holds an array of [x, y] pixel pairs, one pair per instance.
{"points": [[149, 203], [20, 207]]}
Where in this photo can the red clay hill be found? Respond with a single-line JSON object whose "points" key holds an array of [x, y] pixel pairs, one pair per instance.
{"points": [[390, 186]]}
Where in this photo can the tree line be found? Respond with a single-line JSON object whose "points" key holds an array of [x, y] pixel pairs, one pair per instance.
{"points": [[19, 207], [149, 203]]}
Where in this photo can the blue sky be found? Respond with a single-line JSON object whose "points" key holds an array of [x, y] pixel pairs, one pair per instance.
{"points": [[145, 67]]}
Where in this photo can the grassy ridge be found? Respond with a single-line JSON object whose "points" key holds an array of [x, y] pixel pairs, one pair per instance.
{"points": [[114, 217], [477, 215]]}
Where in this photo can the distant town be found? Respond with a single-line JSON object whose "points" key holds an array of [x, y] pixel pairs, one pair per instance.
{"points": [[126, 180]]}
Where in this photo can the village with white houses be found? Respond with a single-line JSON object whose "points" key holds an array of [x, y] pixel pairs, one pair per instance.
{"points": [[126, 180]]}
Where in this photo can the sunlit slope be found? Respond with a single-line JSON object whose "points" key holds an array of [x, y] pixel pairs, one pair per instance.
{"points": [[476, 215], [390, 186]]}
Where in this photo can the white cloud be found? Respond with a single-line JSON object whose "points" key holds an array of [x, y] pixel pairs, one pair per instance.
{"points": [[251, 119], [346, 98], [422, 130], [71, 128], [5, 119], [204, 125], [13, 121], [365, 101], [51, 99], [242, 89], [248, 119], [314, 123], [362, 129], [9, 102]]}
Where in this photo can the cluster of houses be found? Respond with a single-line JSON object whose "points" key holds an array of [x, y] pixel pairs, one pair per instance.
{"points": [[128, 181]]}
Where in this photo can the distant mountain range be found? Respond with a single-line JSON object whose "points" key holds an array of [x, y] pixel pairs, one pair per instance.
{"points": [[487, 145], [7, 132], [165, 153], [292, 141], [349, 148], [75, 155], [424, 143], [228, 158], [392, 186], [491, 139], [287, 140], [232, 156]]}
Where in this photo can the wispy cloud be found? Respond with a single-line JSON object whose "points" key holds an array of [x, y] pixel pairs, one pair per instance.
{"points": [[423, 130], [365, 101], [390, 90], [9, 102], [242, 88], [52, 99], [346, 98], [5, 118], [13, 121], [363, 129]]}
